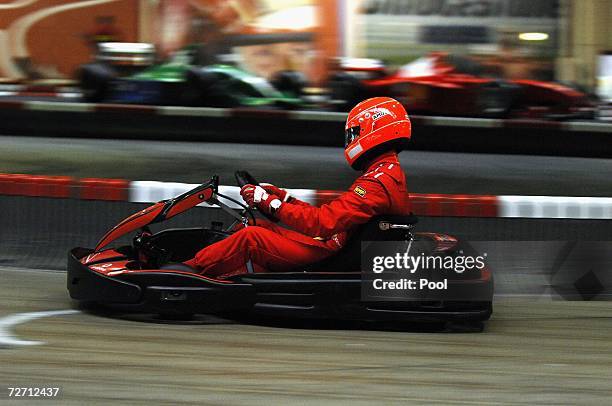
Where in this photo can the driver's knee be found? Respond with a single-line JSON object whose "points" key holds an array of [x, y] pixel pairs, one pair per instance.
{"points": [[254, 236], [235, 250]]}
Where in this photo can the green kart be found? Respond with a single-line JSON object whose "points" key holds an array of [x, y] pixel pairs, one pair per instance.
{"points": [[186, 80]]}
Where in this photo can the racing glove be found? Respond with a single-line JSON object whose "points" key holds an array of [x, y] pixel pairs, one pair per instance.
{"points": [[275, 190], [258, 197]]}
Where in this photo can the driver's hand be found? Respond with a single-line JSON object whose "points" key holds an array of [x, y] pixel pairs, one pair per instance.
{"points": [[258, 197], [252, 194], [275, 190]]}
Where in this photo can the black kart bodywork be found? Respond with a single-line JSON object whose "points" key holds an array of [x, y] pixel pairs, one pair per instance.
{"points": [[148, 276]]}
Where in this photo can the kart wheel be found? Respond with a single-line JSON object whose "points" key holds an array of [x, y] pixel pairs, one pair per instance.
{"points": [[497, 98], [95, 80], [290, 82], [346, 91], [208, 89]]}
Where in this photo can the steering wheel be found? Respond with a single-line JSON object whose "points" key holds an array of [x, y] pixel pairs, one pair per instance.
{"points": [[245, 178]]}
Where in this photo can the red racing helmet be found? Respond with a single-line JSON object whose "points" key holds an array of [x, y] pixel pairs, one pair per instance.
{"points": [[375, 126]]}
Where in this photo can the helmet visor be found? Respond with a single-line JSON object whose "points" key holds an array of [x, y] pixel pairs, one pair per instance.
{"points": [[350, 135]]}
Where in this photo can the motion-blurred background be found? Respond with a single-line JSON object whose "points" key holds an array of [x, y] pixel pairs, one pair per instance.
{"points": [[500, 57], [551, 39]]}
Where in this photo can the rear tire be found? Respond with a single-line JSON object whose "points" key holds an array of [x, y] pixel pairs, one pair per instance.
{"points": [[346, 91], [497, 98], [95, 80], [205, 88], [289, 82]]}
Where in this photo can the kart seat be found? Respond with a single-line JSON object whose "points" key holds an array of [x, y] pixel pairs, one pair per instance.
{"points": [[379, 228]]}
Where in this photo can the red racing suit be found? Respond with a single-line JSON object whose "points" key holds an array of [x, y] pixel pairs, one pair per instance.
{"points": [[316, 232]]}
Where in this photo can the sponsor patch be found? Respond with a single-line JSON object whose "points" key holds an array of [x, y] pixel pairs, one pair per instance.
{"points": [[360, 191]]}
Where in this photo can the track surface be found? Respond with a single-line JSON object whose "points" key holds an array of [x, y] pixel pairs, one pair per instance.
{"points": [[306, 167], [532, 352]]}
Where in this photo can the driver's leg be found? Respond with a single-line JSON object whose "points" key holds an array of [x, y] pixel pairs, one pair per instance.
{"points": [[266, 249]]}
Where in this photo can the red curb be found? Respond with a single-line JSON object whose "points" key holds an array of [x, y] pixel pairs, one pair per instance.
{"points": [[15, 105], [103, 189], [33, 185], [436, 204], [38, 94], [454, 205], [125, 108]]}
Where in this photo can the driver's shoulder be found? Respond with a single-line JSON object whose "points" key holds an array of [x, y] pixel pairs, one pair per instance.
{"points": [[388, 174]]}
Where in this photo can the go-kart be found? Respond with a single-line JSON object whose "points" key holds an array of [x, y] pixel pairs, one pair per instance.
{"points": [[149, 276]]}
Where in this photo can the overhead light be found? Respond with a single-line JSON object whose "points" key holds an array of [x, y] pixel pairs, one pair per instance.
{"points": [[533, 36]]}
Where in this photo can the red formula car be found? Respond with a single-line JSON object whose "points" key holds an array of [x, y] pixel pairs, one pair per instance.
{"points": [[149, 276], [451, 85]]}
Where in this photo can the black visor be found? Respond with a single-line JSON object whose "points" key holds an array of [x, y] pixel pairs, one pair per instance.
{"points": [[351, 135]]}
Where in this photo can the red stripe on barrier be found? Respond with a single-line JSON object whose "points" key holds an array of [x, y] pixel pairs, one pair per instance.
{"points": [[51, 186], [103, 189], [34, 185], [454, 205], [40, 89], [117, 190], [11, 104], [6, 183], [259, 113], [126, 108], [37, 94], [436, 204]]}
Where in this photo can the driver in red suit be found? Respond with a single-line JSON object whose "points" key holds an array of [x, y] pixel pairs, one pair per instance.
{"points": [[376, 130]]}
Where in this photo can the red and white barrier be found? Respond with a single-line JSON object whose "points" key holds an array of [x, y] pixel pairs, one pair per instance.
{"points": [[151, 191], [66, 92], [504, 206], [555, 207]]}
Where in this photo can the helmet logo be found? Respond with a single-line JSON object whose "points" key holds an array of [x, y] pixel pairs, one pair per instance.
{"points": [[380, 112]]}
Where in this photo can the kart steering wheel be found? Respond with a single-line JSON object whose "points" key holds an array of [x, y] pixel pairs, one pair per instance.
{"points": [[245, 178]]}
